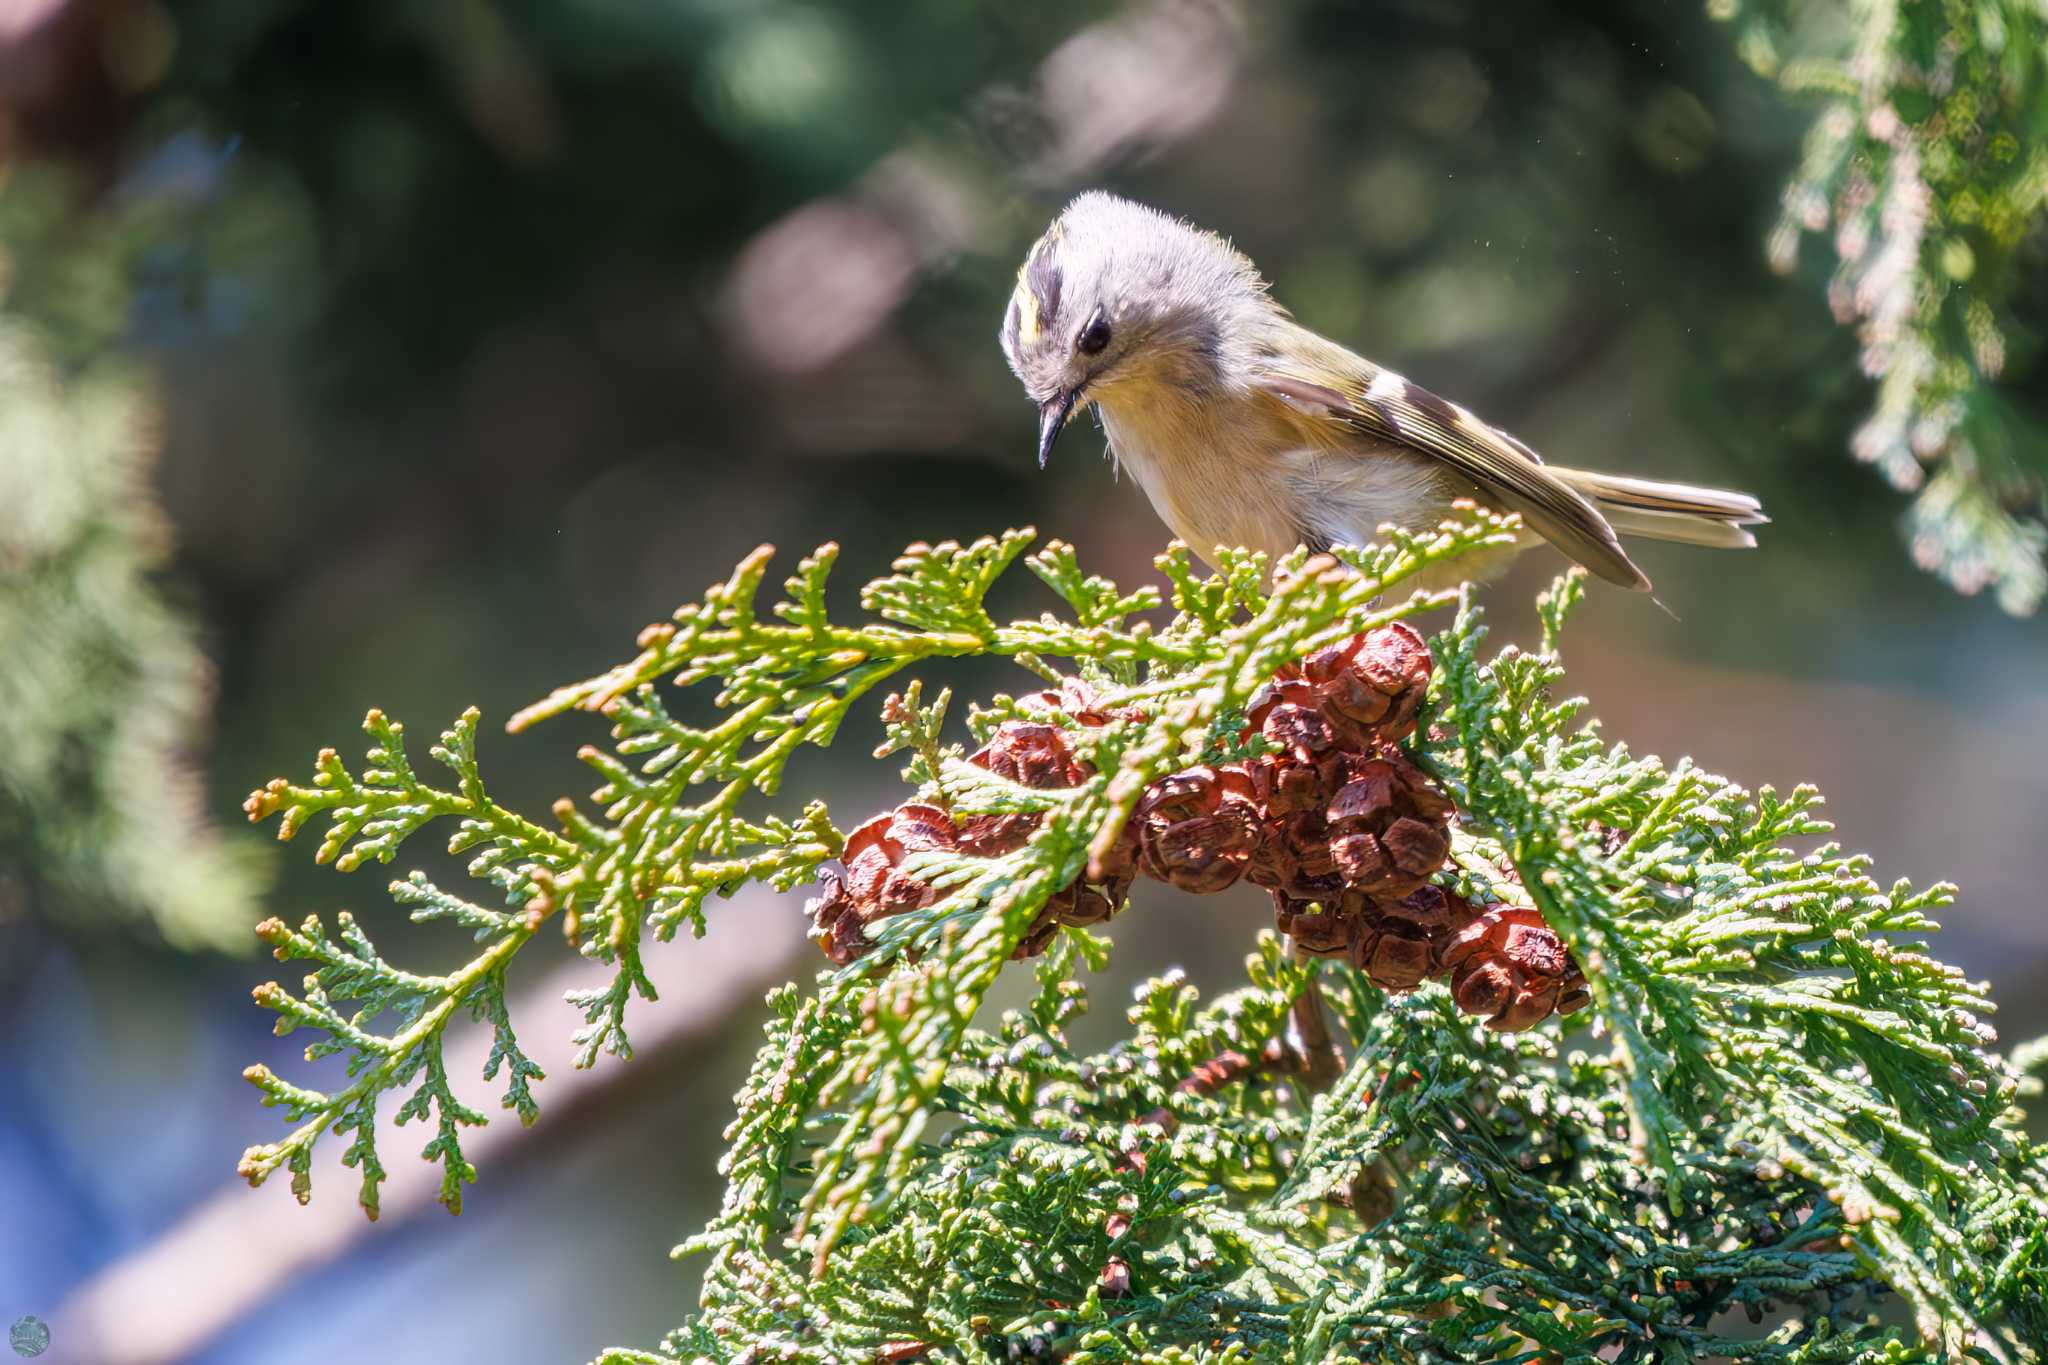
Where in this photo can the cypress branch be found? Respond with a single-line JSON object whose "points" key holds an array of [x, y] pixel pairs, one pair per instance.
{"points": [[1923, 174], [1784, 1107]]}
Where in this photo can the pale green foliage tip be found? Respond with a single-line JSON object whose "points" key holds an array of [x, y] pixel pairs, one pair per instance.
{"points": [[1927, 176], [1784, 1105]]}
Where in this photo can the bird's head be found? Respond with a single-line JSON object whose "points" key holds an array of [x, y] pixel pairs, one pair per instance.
{"points": [[1117, 301]]}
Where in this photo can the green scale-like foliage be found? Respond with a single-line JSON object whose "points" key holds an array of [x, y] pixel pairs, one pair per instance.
{"points": [[1785, 1111]]}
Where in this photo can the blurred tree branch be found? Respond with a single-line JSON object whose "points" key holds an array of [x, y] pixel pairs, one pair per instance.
{"points": [[167, 1300], [104, 691], [1927, 172]]}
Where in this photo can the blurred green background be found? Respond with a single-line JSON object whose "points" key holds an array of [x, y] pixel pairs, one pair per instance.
{"points": [[416, 354]]}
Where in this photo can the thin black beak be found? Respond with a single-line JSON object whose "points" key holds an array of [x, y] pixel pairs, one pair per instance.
{"points": [[1052, 417]]}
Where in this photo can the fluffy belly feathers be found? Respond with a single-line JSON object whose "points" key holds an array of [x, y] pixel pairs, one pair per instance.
{"points": [[1271, 488]]}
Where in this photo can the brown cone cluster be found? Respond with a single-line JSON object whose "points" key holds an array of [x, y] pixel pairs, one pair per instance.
{"points": [[1333, 819], [1029, 753], [1510, 966]]}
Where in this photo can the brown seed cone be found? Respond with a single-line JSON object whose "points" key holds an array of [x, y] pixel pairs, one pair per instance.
{"points": [[1401, 944], [1397, 944], [1376, 679], [1293, 856], [1389, 827], [1077, 701], [1510, 966], [875, 850], [1115, 1280], [991, 836], [1314, 930], [874, 884], [1038, 937], [835, 923], [1086, 903], [1080, 904], [1283, 785], [1120, 862], [1197, 829], [1031, 754], [1289, 714]]}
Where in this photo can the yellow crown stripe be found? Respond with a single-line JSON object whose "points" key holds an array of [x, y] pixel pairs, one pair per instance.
{"points": [[1027, 314], [1028, 303]]}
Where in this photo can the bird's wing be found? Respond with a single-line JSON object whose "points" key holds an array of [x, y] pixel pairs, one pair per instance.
{"points": [[1383, 405]]}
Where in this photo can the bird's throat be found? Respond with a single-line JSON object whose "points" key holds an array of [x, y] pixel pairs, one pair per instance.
{"points": [[1209, 480]]}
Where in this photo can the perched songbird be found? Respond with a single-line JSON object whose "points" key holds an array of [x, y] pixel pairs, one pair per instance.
{"points": [[1247, 429]]}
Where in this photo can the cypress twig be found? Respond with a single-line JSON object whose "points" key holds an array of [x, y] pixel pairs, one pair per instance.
{"points": [[1786, 1106]]}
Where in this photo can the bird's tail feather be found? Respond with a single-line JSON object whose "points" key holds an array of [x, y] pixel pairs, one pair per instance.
{"points": [[1682, 512]]}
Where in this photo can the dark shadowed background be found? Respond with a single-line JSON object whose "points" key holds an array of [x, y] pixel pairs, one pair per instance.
{"points": [[467, 338]]}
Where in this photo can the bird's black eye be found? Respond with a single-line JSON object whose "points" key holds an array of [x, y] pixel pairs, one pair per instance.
{"points": [[1094, 337]]}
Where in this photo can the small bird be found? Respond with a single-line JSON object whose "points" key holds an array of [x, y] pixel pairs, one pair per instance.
{"points": [[1247, 429]]}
